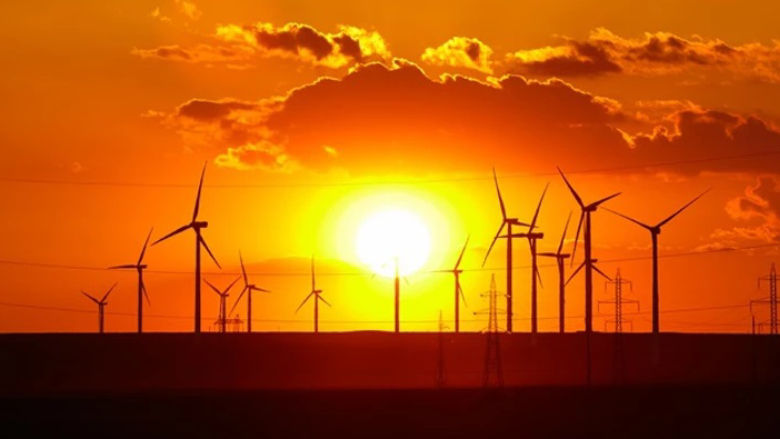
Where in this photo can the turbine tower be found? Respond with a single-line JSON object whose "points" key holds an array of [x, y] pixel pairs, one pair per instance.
{"points": [[317, 297], [101, 306], [456, 271], [196, 226], [508, 223], [560, 259], [248, 289], [654, 232], [139, 266], [532, 238], [223, 296]]}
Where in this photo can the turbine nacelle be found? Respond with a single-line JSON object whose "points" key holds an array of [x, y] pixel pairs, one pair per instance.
{"points": [[199, 224]]}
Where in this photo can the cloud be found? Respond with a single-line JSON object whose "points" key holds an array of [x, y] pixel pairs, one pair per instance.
{"points": [[386, 119], [460, 52], [189, 9], [654, 53], [350, 45], [233, 57], [759, 205]]}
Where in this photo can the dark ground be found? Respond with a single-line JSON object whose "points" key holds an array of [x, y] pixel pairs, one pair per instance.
{"points": [[679, 411]]}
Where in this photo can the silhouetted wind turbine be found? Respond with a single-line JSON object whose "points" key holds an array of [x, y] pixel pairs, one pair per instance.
{"points": [[101, 306], [532, 238], [248, 289], [654, 232], [588, 263], [560, 259], [223, 296], [139, 267], [456, 271], [317, 297], [508, 222], [196, 226]]}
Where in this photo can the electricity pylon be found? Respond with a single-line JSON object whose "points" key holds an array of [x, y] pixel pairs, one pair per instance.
{"points": [[771, 279], [493, 347], [618, 282], [441, 379]]}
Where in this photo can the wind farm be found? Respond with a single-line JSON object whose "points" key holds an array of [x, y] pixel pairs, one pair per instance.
{"points": [[271, 219]]}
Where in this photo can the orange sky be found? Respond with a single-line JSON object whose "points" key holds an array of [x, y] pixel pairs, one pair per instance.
{"points": [[312, 114]]}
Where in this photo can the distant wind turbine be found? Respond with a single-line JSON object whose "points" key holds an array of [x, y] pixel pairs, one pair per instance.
{"points": [[456, 271], [196, 226], [101, 306], [317, 297], [560, 259], [508, 223], [223, 296], [654, 232], [248, 289], [139, 266]]}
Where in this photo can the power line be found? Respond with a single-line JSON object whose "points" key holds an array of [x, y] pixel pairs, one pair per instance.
{"points": [[370, 273], [98, 183]]}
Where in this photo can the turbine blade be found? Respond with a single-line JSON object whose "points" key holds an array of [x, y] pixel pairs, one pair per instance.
{"points": [[304, 302], [254, 288], [563, 236], [208, 250], [500, 199], [146, 244], [216, 290], [500, 229], [547, 254], [596, 204], [231, 285], [639, 223], [457, 264], [539, 277], [146, 294], [326, 302], [573, 192], [175, 232], [538, 207], [243, 270], [681, 209], [121, 267], [462, 296], [601, 272], [91, 298], [238, 299], [197, 198], [575, 273], [105, 296], [577, 237]]}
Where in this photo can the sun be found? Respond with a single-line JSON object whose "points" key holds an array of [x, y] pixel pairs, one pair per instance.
{"points": [[387, 236]]}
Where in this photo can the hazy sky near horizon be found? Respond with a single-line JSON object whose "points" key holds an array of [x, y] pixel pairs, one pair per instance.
{"points": [[312, 116]]}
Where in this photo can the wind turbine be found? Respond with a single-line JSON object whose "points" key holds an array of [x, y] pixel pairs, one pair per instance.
{"points": [[139, 267], [508, 222], [248, 289], [223, 296], [532, 238], [101, 306], [654, 232], [560, 259], [456, 271], [196, 226], [588, 263], [317, 297]]}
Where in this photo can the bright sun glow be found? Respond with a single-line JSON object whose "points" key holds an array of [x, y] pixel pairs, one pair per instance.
{"points": [[389, 234]]}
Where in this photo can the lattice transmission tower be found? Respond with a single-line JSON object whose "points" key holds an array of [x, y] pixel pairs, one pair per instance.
{"points": [[493, 374], [771, 300]]}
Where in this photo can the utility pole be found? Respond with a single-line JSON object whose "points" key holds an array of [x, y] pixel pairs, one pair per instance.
{"points": [[493, 348], [771, 280]]}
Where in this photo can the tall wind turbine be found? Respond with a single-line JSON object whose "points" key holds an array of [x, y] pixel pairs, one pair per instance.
{"points": [[508, 222], [456, 271], [196, 226], [223, 296], [139, 266], [532, 238], [560, 259], [655, 230], [317, 297], [101, 306], [248, 289], [588, 263]]}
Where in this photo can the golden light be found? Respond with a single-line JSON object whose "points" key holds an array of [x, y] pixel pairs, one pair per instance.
{"points": [[387, 236]]}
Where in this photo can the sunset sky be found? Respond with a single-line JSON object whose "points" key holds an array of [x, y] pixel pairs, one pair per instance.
{"points": [[313, 117]]}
